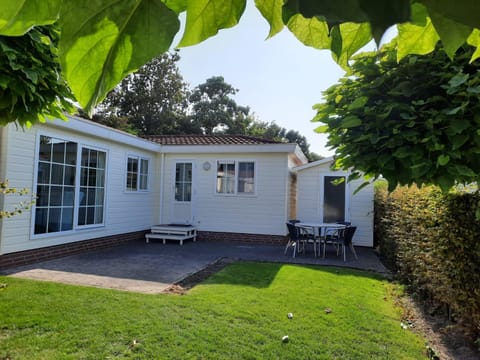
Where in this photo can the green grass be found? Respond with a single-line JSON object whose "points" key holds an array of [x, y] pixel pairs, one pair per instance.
{"points": [[239, 313]]}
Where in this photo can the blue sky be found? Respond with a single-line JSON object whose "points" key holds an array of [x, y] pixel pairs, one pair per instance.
{"points": [[279, 79]]}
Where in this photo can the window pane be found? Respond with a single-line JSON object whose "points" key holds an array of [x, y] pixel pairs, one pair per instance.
{"points": [[82, 218], [132, 174], [92, 192], [69, 176], [99, 196], [68, 196], [102, 156], [56, 194], [187, 192], [58, 154], [90, 215], [188, 172], [183, 182], [82, 197], [246, 177], [143, 177], [57, 174], [100, 178], [333, 199], [144, 169], [92, 177], [91, 196], [226, 177], [67, 219], [99, 215], [85, 156], [54, 219], [43, 174], [42, 195], [41, 216], [71, 153], [179, 191], [45, 152]]}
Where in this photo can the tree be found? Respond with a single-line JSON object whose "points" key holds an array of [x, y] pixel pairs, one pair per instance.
{"points": [[413, 121], [213, 109], [151, 101], [272, 131], [105, 41], [31, 86]]}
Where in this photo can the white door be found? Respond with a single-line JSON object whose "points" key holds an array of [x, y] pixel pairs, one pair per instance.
{"points": [[182, 203], [334, 199]]}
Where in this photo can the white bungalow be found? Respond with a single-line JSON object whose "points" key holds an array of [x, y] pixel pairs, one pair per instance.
{"points": [[96, 186]]}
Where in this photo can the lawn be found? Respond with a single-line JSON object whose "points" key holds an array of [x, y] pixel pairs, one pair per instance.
{"points": [[239, 313]]}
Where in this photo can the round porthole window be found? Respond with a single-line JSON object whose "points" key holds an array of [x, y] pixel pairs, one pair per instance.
{"points": [[206, 166]]}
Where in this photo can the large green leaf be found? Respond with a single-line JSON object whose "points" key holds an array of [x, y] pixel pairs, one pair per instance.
{"points": [[311, 32], [415, 39], [453, 34], [383, 14], [178, 6], [334, 11], [271, 10], [349, 38], [19, 16], [462, 11], [474, 40], [206, 17], [113, 39]]}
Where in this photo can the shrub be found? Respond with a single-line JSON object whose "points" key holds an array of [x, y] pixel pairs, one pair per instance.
{"points": [[431, 240]]}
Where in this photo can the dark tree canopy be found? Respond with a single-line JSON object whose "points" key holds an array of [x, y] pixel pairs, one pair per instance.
{"points": [[151, 101], [413, 121], [214, 107]]}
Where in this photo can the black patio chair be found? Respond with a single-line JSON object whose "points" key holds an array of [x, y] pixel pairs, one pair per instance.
{"points": [[297, 238], [342, 239]]}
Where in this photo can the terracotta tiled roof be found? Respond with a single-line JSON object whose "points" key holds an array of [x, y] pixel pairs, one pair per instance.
{"points": [[208, 140]]}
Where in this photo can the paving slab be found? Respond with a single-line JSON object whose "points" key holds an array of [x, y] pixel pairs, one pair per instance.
{"points": [[154, 267]]}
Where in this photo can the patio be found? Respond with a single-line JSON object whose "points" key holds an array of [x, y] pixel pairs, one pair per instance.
{"points": [[154, 267]]}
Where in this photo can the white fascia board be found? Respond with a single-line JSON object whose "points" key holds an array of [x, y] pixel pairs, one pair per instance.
{"points": [[229, 149], [104, 132], [313, 164]]}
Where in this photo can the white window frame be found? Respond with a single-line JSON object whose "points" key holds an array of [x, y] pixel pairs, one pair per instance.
{"points": [[183, 181], [139, 174], [78, 186], [76, 201], [236, 163]]}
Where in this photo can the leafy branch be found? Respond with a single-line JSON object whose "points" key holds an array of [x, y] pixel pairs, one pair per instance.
{"points": [[102, 41], [19, 208]]}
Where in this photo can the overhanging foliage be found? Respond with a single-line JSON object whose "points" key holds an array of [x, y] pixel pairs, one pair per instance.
{"points": [[105, 40], [31, 86], [416, 121]]}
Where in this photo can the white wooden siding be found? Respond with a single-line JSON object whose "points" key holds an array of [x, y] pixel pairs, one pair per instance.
{"points": [[125, 211], [360, 205], [264, 212]]}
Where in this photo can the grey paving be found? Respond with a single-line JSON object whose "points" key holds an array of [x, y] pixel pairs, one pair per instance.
{"points": [[152, 268]]}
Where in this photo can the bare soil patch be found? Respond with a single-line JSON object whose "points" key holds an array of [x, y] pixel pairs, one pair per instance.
{"points": [[445, 339], [194, 279]]}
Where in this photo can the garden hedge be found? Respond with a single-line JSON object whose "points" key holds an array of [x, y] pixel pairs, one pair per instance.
{"points": [[431, 240]]}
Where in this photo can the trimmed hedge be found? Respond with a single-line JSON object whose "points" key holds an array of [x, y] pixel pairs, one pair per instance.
{"points": [[432, 241]]}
